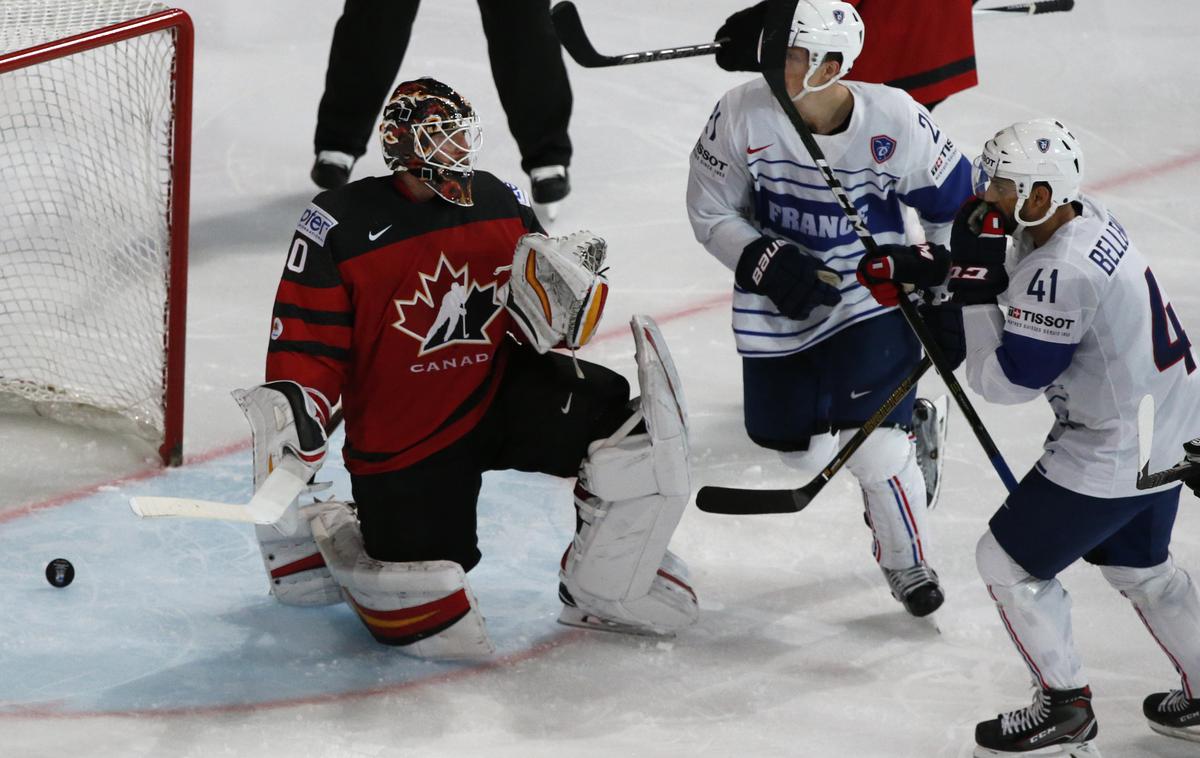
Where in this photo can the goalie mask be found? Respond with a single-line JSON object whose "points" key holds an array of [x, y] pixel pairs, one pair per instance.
{"points": [[432, 131], [1027, 153]]}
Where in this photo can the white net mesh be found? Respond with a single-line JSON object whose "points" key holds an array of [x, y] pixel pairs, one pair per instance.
{"points": [[85, 161]]}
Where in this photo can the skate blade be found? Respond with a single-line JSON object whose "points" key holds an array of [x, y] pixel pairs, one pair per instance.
{"points": [[1071, 750], [584, 620], [1191, 734]]}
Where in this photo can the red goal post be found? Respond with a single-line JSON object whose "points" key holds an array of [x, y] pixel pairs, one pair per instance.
{"points": [[95, 152]]}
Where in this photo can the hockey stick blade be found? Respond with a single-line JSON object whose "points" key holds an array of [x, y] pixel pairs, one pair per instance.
{"points": [[569, 28], [742, 502], [739, 502], [267, 506], [1031, 9]]}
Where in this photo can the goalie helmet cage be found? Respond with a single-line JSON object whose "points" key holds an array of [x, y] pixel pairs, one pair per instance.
{"points": [[95, 145]]}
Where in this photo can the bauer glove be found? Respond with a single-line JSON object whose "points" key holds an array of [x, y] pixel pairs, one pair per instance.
{"points": [[794, 281]]}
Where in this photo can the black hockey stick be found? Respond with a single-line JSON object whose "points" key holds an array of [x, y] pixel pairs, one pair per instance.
{"points": [[570, 32], [775, 38], [574, 39], [1030, 9], [742, 502], [1185, 469]]}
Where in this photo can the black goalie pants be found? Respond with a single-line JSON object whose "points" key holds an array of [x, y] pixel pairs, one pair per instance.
{"points": [[542, 420]]}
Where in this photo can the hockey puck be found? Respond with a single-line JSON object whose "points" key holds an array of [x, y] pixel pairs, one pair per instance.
{"points": [[60, 572]]}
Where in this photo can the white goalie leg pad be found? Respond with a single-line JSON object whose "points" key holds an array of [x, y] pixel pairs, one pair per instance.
{"points": [[284, 419], [631, 494], [894, 496], [295, 566], [1165, 598], [424, 607], [1037, 615]]}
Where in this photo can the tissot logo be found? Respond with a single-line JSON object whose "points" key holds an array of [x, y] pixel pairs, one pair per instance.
{"points": [[449, 308]]}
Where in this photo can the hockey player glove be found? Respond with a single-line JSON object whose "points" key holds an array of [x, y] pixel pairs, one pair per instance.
{"points": [[946, 323], [921, 265], [740, 34], [794, 281], [1191, 454], [977, 248]]}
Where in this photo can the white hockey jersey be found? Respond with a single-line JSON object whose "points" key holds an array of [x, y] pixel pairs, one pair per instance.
{"points": [[1086, 323], [751, 174]]}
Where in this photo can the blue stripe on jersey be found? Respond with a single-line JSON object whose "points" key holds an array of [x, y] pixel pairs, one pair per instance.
{"points": [[821, 226], [1032, 363], [832, 328], [940, 204], [847, 172], [883, 188]]}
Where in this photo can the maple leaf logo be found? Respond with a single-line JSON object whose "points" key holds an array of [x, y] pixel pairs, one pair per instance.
{"points": [[448, 308]]}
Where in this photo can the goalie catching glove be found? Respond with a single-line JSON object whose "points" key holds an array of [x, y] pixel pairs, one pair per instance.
{"points": [[557, 289]]}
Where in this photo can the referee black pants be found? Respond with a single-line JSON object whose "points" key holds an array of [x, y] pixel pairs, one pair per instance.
{"points": [[369, 43]]}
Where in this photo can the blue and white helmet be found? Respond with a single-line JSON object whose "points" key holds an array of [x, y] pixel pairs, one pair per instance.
{"points": [[826, 26], [1028, 152]]}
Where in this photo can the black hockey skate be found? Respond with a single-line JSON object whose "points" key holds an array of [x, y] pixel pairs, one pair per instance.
{"points": [[1173, 714], [929, 431], [331, 169], [549, 185], [1058, 722], [917, 588]]}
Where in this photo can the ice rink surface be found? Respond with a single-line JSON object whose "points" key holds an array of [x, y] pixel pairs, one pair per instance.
{"points": [[167, 644]]}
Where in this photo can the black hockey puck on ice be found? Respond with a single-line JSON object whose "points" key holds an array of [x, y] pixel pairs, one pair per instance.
{"points": [[60, 572]]}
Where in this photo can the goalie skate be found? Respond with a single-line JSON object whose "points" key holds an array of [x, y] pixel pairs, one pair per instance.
{"points": [[929, 433]]}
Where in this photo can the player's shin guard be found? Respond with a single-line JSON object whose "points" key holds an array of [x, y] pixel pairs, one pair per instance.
{"points": [[1165, 598], [424, 607], [1037, 615], [894, 497], [617, 573]]}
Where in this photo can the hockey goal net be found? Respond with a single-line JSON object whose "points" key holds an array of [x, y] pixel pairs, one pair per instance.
{"points": [[95, 121]]}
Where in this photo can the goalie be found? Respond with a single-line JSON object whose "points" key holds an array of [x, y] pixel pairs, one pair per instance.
{"points": [[398, 296]]}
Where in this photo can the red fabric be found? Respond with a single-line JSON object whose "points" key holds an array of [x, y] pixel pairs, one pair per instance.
{"points": [[907, 38]]}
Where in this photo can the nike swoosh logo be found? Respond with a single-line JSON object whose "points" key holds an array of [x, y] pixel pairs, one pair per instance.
{"points": [[857, 395], [753, 150], [567, 408], [376, 235]]}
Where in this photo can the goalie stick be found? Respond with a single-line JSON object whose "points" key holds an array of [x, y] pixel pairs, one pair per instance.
{"points": [[1182, 470], [736, 501], [267, 507], [569, 27], [774, 46]]}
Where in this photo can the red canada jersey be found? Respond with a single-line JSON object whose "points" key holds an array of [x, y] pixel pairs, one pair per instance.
{"points": [[925, 47], [395, 307]]}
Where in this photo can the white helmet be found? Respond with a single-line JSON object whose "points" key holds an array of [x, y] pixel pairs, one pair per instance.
{"points": [[1028, 152], [826, 26]]}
